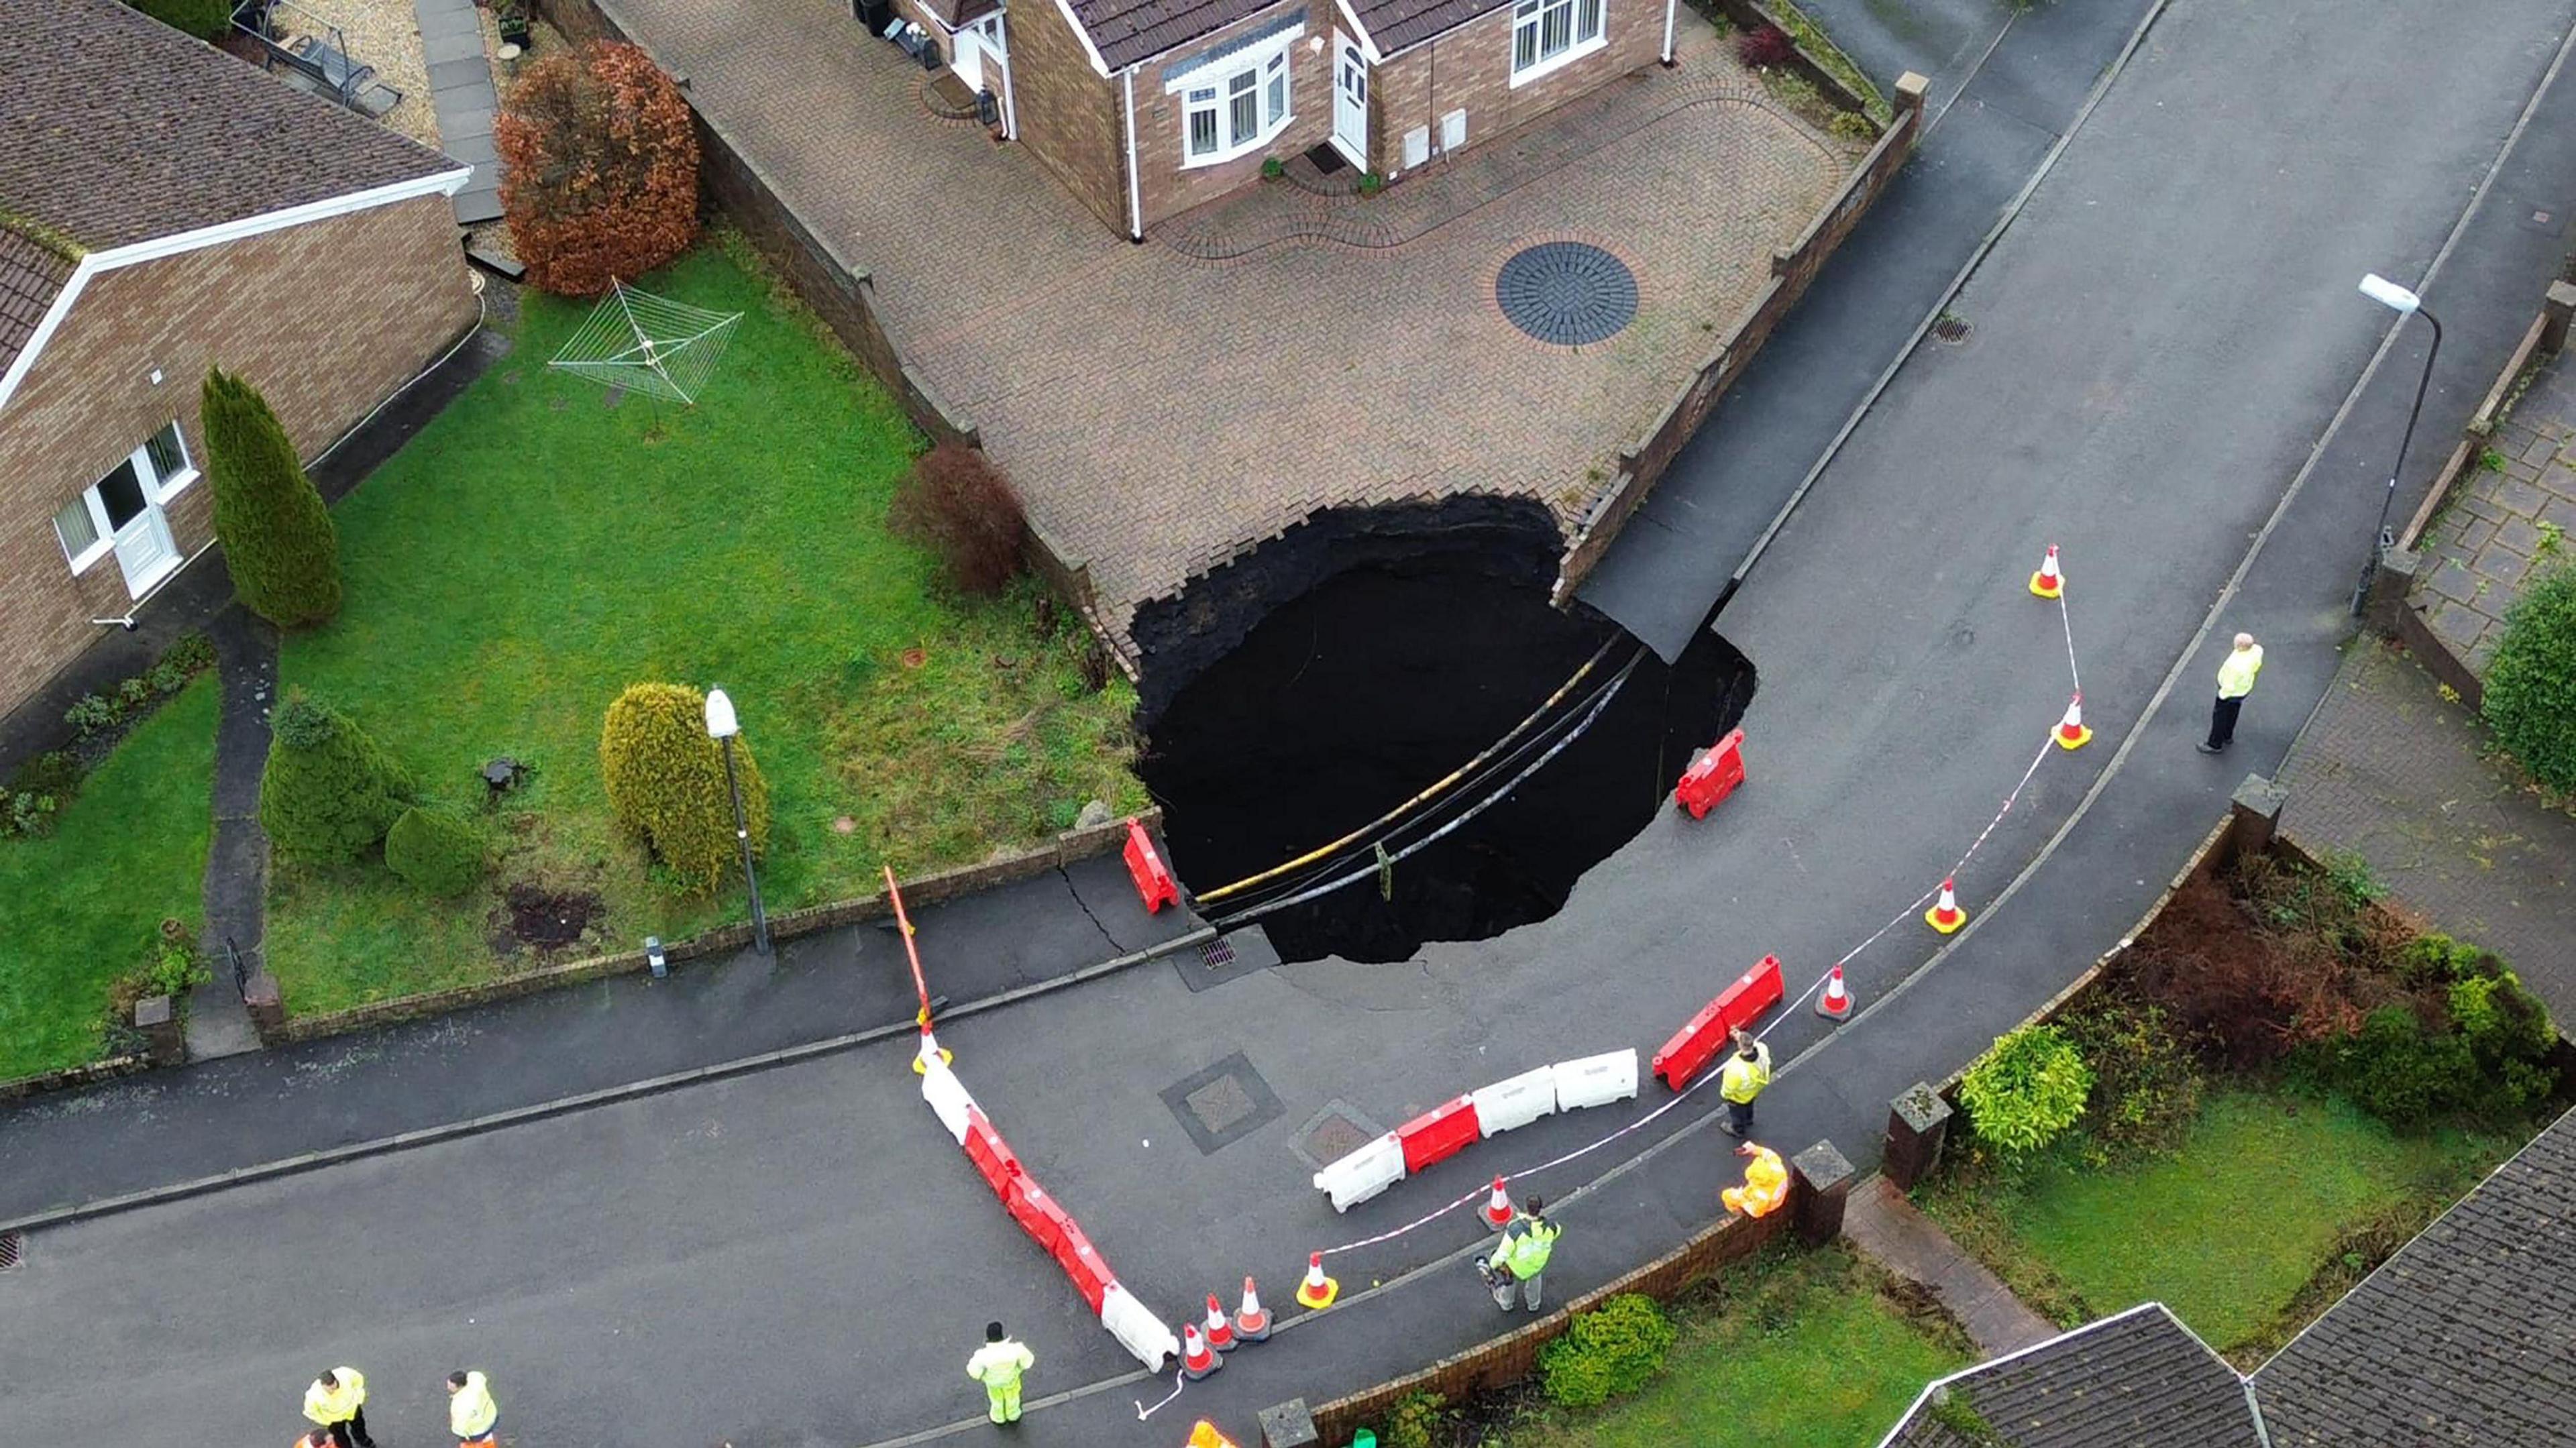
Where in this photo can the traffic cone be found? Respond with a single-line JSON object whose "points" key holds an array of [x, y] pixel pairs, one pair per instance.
{"points": [[1835, 1004], [1251, 1321], [1945, 914], [930, 1047], [1220, 1331], [1317, 1290], [2071, 733], [2048, 582], [1197, 1358], [1498, 1208]]}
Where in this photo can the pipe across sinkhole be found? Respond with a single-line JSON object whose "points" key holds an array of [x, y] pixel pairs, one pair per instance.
{"points": [[1380, 680]]}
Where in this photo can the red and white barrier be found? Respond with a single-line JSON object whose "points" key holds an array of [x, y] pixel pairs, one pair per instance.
{"points": [[1447, 1129], [1364, 1173], [1137, 1329], [947, 1097], [1438, 1134], [1595, 1080], [1515, 1101], [1705, 1034]]}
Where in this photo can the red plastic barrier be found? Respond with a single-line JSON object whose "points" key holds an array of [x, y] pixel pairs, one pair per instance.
{"points": [[1714, 777], [1036, 1212], [992, 1155], [1698, 1042], [1153, 878], [1081, 1262], [1438, 1134]]}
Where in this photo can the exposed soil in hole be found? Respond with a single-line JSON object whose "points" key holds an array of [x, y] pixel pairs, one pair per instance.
{"points": [[1379, 682], [549, 919]]}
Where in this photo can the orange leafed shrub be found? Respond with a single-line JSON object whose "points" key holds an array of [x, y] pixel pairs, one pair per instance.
{"points": [[599, 168]]}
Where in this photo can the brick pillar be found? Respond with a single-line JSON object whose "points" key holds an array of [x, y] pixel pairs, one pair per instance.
{"points": [[1918, 1123], [1910, 90], [157, 1017], [267, 1006], [2388, 589], [1824, 1180], [1289, 1425], [2555, 310], [2257, 808]]}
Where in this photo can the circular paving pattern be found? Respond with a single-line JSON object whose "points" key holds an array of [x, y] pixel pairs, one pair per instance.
{"points": [[1567, 292]]}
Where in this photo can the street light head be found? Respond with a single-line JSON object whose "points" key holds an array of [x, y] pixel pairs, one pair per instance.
{"points": [[2389, 294], [721, 723]]}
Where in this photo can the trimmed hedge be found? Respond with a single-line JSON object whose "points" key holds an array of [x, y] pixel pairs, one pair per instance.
{"points": [[2026, 1089], [2531, 686], [599, 168], [666, 782], [1608, 1352], [277, 534], [328, 791], [435, 851]]}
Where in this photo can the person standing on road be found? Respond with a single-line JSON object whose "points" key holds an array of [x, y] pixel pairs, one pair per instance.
{"points": [[470, 1409], [998, 1365], [2235, 681], [1518, 1260], [338, 1401], [1742, 1080]]}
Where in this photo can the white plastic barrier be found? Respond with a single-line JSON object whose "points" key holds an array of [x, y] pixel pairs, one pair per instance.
{"points": [[1515, 1100], [1595, 1080], [1137, 1329], [947, 1097], [1364, 1173]]}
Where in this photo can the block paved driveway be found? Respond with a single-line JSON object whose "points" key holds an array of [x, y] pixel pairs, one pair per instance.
{"points": [[1162, 412]]}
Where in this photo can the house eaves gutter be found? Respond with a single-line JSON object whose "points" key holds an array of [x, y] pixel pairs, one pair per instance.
{"points": [[443, 183]]}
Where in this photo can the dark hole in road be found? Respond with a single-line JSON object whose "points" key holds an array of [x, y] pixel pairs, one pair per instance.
{"points": [[1383, 679]]}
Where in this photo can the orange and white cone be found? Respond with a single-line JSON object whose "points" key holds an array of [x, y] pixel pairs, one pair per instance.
{"points": [[2071, 733], [930, 1048], [1945, 914], [1219, 1328], [1197, 1358], [1836, 1003], [2048, 582], [1317, 1290], [1251, 1321], [1498, 1208]]}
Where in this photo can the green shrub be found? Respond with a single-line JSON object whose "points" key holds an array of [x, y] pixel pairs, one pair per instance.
{"points": [[666, 782], [1416, 1420], [278, 538], [204, 19], [26, 813], [434, 851], [328, 791], [2396, 1070], [1611, 1350], [193, 652], [2485, 1051], [174, 970], [2146, 1079], [2027, 1089], [91, 713], [2531, 685]]}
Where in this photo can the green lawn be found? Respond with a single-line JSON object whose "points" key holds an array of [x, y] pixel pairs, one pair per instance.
{"points": [[2226, 1231], [1794, 1349], [535, 549], [80, 907]]}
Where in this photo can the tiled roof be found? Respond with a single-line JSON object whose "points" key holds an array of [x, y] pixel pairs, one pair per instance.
{"points": [[115, 128], [2467, 1335], [1127, 31], [31, 274], [1395, 24], [2138, 1380]]}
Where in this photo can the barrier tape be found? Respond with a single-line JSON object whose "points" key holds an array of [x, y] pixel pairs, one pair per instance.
{"points": [[1787, 1009]]}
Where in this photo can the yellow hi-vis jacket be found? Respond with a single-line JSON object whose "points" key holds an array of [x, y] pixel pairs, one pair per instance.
{"points": [[998, 1365], [1529, 1242], [327, 1406], [1766, 1185], [470, 1409], [2236, 673], [1742, 1080]]}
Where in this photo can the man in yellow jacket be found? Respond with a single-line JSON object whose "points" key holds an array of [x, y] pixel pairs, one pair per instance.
{"points": [[1746, 1073], [338, 1401], [1766, 1183], [998, 1365], [2235, 681], [470, 1409]]}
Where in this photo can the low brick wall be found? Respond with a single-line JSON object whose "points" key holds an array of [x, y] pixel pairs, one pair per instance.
{"points": [[1064, 849], [72, 1078], [1514, 1355], [1641, 463]]}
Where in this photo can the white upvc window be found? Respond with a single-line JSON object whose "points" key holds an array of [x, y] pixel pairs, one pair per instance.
{"points": [[1550, 33], [1232, 113], [150, 476]]}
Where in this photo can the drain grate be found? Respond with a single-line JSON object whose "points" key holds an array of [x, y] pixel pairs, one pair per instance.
{"points": [[13, 1250], [1950, 329], [1216, 953], [1570, 293]]}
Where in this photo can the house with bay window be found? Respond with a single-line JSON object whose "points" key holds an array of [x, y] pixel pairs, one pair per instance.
{"points": [[164, 207], [1146, 108]]}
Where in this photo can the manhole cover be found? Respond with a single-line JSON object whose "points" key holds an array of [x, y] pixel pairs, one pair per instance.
{"points": [[1567, 292], [1334, 1137], [1222, 1104], [13, 1249], [1950, 329]]}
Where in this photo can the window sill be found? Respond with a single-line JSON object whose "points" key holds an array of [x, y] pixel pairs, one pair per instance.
{"points": [[1219, 158], [88, 557], [1558, 62]]}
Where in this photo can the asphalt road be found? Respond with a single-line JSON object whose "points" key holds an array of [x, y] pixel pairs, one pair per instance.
{"points": [[801, 1256]]}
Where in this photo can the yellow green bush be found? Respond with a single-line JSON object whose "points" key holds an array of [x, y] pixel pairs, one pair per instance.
{"points": [[666, 782]]}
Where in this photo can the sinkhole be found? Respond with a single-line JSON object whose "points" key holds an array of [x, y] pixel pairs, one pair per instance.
{"points": [[1384, 678]]}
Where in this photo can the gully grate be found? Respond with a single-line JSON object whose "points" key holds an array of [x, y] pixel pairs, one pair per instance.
{"points": [[13, 1250], [1216, 953]]}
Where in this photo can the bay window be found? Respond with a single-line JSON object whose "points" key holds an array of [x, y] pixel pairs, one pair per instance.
{"points": [[1227, 115], [1548, 33]]}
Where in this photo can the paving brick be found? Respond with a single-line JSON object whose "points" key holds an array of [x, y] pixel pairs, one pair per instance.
{"points": [[2456, 624], [2500, 564], [2513, 495], [2516, 535], [2450, 578]]}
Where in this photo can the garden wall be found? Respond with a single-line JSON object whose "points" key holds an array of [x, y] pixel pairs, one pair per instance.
{"points": [[1641, 463]]}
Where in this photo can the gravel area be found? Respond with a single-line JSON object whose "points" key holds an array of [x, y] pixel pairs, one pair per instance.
{"points": [[380, 33]]}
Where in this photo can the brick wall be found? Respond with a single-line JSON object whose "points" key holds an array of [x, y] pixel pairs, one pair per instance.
{"points": [[1069, 115], [326, 319], [1470, 68], [1170, 188]]}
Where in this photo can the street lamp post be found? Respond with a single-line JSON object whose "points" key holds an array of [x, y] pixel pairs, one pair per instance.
{"points": [[2403, 302], [722, 726]]}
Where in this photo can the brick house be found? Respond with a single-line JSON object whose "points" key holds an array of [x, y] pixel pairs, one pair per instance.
{"points": [[1146, 108], [163, 207]]}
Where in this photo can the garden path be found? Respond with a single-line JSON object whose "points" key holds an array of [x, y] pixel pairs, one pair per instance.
{"points": [[1886, 1228], [460, 92], [236, 890]]}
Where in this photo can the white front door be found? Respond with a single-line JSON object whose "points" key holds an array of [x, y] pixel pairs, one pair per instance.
{"points": [[1350, 102], [980, 54], [139, 529]]}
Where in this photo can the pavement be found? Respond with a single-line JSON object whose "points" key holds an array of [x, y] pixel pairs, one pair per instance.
{"points": [[2504, 524], [2161, 378]]}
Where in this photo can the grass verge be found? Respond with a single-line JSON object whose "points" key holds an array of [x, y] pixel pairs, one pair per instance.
{"points": [[80, 907]]}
